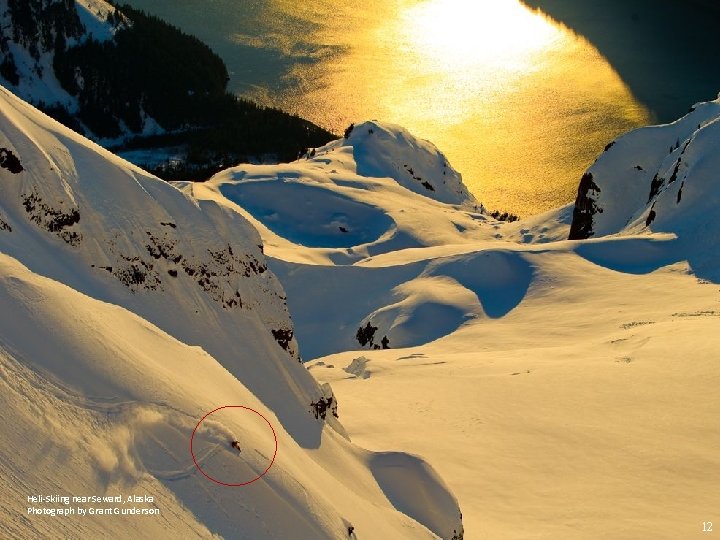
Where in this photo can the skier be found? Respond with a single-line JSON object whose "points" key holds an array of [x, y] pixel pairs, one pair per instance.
{"points": [[236, 446]]}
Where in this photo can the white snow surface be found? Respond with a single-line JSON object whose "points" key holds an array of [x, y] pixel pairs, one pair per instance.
{"points": [[563, 389], [128, 310], [558, 389], [93, 15]]}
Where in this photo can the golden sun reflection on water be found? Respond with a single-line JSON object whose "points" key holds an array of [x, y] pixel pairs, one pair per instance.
{"points": [[466, 52], [460, 35], [520, 105]]}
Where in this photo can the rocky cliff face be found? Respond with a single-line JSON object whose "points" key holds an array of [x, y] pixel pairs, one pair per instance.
{"points": [[640, 169], [75, 213]]}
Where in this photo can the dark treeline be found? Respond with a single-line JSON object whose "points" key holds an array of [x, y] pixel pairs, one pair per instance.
{"points": [[36, 25], [152, 69]]}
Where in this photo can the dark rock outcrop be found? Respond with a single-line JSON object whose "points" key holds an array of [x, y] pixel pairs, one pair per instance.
{"points": [[10, 161], [585, 209]]}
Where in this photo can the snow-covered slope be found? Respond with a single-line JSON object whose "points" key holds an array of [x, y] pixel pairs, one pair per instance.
{"points": [[129, 311], [658, 178], [564, 389], [381, 150], [137, 242]]}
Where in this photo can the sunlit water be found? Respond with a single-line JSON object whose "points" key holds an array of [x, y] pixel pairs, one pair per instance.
{"points": [[520, 105]]}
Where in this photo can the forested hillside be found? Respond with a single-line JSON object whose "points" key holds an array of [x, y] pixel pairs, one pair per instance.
{"points": [[130, 80]]}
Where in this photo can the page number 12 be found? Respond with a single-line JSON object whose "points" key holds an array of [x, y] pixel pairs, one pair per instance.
{"points": [[707, 526]]}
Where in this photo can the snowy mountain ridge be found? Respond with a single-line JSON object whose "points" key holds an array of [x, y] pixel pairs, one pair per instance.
{"points": [[130, 310], [383, 199], [658, 179], [380, 150]]}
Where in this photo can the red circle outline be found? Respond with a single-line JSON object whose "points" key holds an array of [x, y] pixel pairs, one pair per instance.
{"points": [[199, 468]]}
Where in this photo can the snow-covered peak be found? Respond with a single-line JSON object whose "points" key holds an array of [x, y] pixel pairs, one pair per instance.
{"points": [[377, 190], [382, 150], [658, 179]]}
